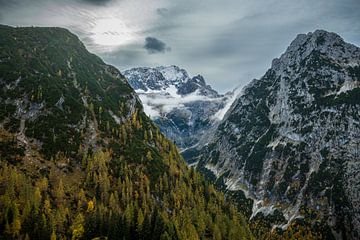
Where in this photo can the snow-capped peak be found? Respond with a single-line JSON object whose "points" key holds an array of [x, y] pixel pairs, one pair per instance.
{"points": [[184, 107], [167, 78], [173, 74]]}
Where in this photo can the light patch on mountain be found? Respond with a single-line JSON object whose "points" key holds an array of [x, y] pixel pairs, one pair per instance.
{"points": [[230, 100]]}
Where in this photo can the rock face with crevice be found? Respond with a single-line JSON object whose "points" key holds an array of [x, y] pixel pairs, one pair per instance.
{"points": [[291, 141]]}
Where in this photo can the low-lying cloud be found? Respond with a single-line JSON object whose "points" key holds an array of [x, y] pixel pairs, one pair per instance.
{"points": [[154, 45], [156, 103]]}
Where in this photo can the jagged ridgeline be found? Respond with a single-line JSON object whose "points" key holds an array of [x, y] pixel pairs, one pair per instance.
{"points": [[79, 158], [291, 143]]}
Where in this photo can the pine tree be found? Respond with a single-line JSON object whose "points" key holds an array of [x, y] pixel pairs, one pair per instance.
{"points": [[37, 198], [139, 223], [15, 223], [53, 236], [59, 192], [149, 156], [77, 227]]}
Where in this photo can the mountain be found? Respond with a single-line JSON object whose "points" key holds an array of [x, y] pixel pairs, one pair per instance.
{"points": [[185, 108], [291, 141], [80, 159]]}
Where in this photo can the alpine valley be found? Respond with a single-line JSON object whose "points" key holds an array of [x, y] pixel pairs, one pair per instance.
{"points": [[287, 150], [79, 159]]}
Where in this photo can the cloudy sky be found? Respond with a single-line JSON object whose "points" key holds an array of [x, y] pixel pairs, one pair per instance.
{"points": [[229, 42]]}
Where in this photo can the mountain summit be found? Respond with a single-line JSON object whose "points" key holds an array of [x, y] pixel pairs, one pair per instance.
{"points": [[320, 41], [162, 78], [291, 141]]}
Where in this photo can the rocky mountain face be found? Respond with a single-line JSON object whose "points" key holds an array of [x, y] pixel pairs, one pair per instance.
{"points": [[58, 96], [79, 158], [184, 107], [291, 141]]}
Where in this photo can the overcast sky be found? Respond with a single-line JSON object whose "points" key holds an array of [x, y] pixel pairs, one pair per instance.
{"points": [[229, 42]]}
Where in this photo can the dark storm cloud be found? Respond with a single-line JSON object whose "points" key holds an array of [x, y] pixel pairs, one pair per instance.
{"points": [[154, 45], [12, 3], [162, 11], [97, 2], [4, 4]]}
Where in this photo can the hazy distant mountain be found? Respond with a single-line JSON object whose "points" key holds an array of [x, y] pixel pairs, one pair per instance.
{"points": [[291, 141], [185, 108]]}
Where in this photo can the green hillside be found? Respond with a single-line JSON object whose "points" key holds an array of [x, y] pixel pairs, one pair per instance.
{"points": [[79, 158]]}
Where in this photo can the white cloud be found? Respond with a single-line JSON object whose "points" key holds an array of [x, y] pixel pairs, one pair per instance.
{"points": [[158, 103], [229, 43], [104, 28], [151, 111]]}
